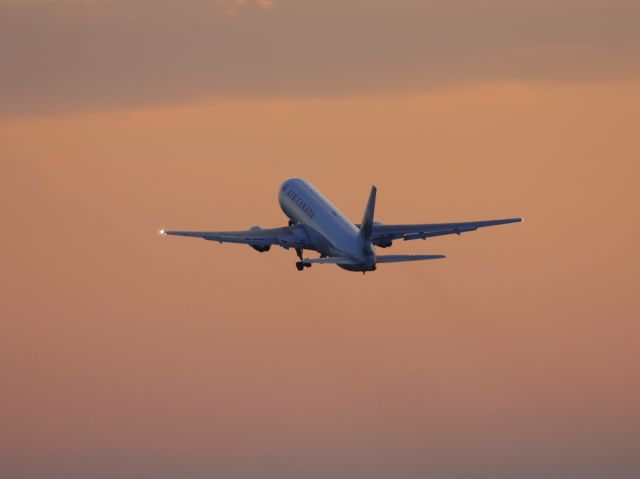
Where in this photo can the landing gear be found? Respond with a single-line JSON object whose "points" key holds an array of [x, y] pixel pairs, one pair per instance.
{"points": [[301, 265]]}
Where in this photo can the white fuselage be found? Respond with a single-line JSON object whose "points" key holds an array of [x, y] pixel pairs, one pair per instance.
{"points": [[325, 224]]}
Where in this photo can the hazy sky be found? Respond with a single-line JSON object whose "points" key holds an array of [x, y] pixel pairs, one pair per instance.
{"points": [[126, 354], [86, 54]]}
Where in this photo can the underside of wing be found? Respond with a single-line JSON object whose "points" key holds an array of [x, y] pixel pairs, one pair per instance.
{"points": [[383, 234], [287, 237]]}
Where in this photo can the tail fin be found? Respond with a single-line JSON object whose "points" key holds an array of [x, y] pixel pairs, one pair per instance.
{"points": [[367, 220]]}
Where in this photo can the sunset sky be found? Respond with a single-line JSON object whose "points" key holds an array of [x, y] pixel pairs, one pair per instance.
{"points": [[125, 354]]}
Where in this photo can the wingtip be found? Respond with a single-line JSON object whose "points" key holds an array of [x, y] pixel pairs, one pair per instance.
{"points": [[163, 232]]}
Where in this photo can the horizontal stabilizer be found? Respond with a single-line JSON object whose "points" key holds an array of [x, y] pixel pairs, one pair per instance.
{"points": [[329, 260], [400, 258]]}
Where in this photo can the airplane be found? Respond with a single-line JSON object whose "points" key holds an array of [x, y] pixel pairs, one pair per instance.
{"points": [[315, 224]]}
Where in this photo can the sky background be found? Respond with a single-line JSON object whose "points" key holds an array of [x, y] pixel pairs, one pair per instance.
{"points": [[126, 354]]}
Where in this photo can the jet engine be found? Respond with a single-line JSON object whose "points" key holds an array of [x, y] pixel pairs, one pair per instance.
{"points": [[383, 243], [258, 247]]}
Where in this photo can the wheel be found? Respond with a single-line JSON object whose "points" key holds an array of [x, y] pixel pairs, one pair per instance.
{"points": [[299, 265]]}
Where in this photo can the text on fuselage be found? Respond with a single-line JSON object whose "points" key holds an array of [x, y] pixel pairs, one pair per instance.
{"points": [[300, 203]]}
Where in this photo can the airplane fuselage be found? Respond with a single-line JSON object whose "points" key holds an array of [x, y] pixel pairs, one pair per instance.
{"points": [[325, 225]]}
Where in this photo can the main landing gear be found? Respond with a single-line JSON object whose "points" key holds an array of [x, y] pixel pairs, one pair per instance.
{"points": [[300, 265]]}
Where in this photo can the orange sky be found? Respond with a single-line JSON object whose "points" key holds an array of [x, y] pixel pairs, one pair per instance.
{"points": [[127, 354]]}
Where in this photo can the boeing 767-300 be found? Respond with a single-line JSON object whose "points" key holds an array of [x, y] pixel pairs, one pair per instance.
{"points": [[316, 224]]}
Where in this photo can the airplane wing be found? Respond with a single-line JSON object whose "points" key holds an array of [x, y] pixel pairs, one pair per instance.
{"points": [[383, 233], [287, 237]]}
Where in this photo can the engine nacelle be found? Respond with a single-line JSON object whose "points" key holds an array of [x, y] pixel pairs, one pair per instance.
{"points": [[258, 247], [382, 243]]}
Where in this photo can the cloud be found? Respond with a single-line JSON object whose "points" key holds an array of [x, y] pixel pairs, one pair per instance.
{"points": [[59, 56]]}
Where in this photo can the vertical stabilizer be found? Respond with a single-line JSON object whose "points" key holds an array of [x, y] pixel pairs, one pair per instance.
{"points": [[367, 219]]}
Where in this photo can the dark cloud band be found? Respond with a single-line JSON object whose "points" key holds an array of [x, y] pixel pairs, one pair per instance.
{"points": [[61, 56]]}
